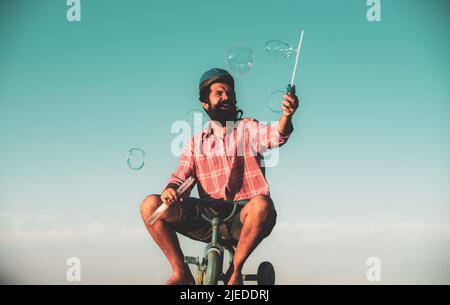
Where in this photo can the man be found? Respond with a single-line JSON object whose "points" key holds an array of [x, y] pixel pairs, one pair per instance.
{"points": [[225, 161]]}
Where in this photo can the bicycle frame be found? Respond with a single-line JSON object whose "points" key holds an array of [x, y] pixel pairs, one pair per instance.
{"points": [[210, 268], [214, 262]]}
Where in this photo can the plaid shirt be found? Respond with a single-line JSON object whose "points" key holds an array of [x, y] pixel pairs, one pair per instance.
{"points": [[229, 167]]}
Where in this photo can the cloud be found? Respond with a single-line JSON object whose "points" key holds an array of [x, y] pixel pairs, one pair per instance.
{"points": [[306, 252], [16, 220], [381, 229], [94, 231], [31, 228], [18, 227]]}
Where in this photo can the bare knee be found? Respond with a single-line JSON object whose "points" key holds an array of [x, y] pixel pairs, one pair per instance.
{"points": [[265, 213], [262, 212], [152, 202], [149, 205], [262, 207]]}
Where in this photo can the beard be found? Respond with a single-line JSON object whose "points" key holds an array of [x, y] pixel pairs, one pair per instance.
{"points": [[223, 112]]}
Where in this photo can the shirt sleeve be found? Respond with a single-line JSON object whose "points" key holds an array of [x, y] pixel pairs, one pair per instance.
{"points": [[268, 136], [186, 168]]}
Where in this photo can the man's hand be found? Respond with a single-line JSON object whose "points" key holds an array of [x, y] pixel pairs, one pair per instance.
{"points": [[289, 104], [169, 196]]}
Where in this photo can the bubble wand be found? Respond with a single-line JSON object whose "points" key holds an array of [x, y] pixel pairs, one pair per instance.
{"points": [[291, 86]]}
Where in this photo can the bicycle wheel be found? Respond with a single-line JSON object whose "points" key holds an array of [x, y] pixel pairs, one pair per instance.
{"points": [[213, 268], [266, 274]]}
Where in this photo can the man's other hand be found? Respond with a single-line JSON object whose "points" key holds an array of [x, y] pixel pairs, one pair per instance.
{"points": [[169, 196]]}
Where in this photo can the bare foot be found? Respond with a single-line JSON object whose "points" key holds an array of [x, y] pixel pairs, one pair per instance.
{"points": [[181, 278], [235, 279]]}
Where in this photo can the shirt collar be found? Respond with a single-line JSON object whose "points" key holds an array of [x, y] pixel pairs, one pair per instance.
{"points": [[209, 130]]}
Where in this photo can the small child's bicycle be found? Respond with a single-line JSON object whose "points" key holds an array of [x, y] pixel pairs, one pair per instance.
{"points": [[210, 267]]}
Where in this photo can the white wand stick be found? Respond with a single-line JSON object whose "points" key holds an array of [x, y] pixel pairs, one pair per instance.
{"points": [[163, 207], [296, 58]]}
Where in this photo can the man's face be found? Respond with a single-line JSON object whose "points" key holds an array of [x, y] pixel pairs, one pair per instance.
{"points": [[222, 103]]}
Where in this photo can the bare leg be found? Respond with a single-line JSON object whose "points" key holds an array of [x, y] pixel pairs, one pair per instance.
{"points": [[258, 217], [166, 238]]}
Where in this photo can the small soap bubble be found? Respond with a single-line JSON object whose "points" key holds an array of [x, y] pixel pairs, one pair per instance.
{"points": [[136, 158], [275, 99], [240, 60]]}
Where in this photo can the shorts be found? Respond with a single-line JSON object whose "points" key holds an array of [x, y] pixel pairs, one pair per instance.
{"points": [[191, 223]]}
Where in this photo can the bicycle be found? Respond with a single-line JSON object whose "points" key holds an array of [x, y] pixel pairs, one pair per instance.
{"points": [[210, 267]]}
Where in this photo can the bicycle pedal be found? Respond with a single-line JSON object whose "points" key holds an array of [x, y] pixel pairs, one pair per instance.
{"points": [[191, 260]]}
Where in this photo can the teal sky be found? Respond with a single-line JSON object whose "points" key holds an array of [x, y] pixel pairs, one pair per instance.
{"points": [[369, 154]]}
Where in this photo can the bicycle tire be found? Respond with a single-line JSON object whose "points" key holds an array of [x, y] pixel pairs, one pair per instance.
{"points": [[213, 268], [266, 274]]}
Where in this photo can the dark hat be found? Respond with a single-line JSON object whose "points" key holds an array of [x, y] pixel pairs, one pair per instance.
{"points": [[215, 73]]}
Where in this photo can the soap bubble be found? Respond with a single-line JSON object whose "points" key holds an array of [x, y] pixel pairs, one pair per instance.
{"points": [[240, 60], [275, 99], [279, 49], [195, 119], [136, 158]]}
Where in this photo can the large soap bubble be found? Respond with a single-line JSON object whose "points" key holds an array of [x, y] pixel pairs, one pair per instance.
{"points": [[279, 49], [240, 60]]}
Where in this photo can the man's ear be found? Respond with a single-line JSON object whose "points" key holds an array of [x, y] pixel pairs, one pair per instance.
{"points": [[235, 99], [205, 106]]}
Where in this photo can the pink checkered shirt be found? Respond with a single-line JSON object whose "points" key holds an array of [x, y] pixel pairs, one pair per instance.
{"points": [[229, 168]]}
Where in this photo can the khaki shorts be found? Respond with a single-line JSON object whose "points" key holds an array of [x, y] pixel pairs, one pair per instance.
{"points": [[193, 225]]}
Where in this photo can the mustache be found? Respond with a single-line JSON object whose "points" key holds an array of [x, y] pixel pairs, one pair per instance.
{"points": [[227, 102], [219, 113]]}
